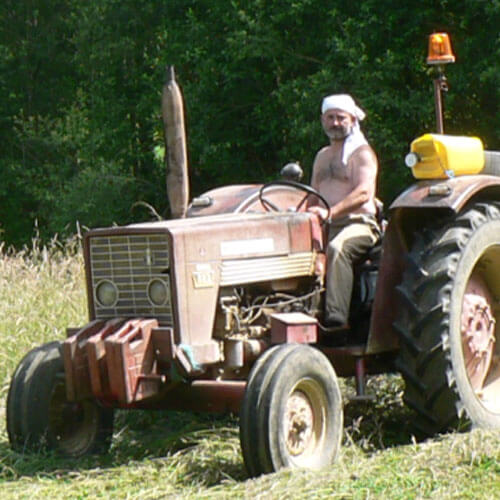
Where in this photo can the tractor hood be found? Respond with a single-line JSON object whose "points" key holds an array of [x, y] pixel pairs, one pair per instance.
{"points": [[173, 270]]}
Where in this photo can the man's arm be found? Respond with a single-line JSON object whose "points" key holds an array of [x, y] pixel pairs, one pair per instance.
{"points": [[313, 201]]}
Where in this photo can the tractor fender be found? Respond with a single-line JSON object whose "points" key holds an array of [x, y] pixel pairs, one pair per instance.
{"points": [[451, 194], [423, 201]]}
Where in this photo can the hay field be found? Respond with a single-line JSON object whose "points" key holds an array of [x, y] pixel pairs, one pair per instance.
{"points": [[182, 455]]}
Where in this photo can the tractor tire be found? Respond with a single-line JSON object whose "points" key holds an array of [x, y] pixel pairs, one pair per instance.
{"points": [[258, 380], [292, 413], [448, 324], [39, 416], [13, 409]]}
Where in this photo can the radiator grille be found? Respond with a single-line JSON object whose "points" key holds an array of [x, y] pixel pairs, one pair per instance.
{"points": [[131, 262]]}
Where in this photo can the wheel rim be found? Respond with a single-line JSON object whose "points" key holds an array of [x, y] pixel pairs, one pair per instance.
{"points": [[304, 425], [72, 425], [478, 334]]}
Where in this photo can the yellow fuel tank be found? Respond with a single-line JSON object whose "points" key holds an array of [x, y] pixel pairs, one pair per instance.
{"points": [[443, 156]]}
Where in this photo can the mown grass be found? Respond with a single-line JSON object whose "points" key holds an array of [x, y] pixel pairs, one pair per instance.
{"points": [[185, 455]]}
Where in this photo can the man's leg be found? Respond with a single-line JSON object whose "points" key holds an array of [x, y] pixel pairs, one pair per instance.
{"points": [[347, 245]]}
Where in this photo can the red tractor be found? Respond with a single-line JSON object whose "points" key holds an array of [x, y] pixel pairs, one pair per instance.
{"points": [[221, 310]]}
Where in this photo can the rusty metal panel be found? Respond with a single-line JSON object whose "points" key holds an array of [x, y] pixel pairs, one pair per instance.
{"points": [[318, 234], [96, 355], [228, 250], [293, 327], [198, 289], [226, 199], [300, 229], [382, 336], [229, 237], [130, 359], [192, 254], [75, 361], [163, 344], [244, 199], [114, 366], [459, 191], [203, 395]]}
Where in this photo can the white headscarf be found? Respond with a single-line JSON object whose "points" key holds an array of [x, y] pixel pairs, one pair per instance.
{"points": [[355, 139]]}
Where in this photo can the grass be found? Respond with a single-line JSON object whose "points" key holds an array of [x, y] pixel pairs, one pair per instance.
{"points": [[184, 455]]}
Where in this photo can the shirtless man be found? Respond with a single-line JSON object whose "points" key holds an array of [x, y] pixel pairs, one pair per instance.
{"points": [[345, 173]]}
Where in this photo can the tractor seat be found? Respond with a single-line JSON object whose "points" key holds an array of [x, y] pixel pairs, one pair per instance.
{"points": [[372, 256]]}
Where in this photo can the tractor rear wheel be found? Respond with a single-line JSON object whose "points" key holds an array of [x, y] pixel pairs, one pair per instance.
{"points": [[449, 324], [292, 411], [39, 416]]}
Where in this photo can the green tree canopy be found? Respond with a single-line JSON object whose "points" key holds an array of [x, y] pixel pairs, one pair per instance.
{"points": [[81, 81]]}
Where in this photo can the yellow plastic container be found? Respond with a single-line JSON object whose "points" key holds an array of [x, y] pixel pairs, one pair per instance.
{"points": [[443, 156]]}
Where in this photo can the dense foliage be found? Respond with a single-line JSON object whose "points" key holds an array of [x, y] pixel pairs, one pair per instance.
{"points": [[80, 87]]}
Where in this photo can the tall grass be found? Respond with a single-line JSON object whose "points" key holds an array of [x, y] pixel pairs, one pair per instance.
{"points": [[42, 291], [185, 455]]}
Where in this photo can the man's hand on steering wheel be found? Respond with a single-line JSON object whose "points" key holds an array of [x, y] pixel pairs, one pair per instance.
{"points": [[321, 212], [308, 190]]}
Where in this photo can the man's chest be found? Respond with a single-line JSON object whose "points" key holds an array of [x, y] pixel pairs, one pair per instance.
{"points": [[332, 169]]}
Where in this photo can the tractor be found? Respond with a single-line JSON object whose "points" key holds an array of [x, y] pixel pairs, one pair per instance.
{"points": [[220, 309]]}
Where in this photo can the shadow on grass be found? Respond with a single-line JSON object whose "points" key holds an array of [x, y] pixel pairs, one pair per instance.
{"points": [[206, 446], [382, 423], [139, 435]]}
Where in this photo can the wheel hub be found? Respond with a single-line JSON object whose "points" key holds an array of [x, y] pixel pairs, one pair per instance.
{"points": [[299, 421], [478, 331], [71, 424]]}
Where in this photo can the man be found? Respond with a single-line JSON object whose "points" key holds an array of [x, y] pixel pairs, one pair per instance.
{"points": [[345, 173]]}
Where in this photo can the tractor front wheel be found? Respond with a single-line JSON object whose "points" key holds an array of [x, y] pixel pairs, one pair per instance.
{"points": [[292, 411], [39, 416]]}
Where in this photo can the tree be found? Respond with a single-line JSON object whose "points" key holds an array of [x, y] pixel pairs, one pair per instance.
{"points": [[80, 90]]}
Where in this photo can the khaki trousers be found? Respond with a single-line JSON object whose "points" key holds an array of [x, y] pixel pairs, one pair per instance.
{"points": [[347, 244]]}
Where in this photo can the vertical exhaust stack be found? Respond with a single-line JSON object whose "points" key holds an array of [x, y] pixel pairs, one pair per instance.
{"points": [[172, 108]]}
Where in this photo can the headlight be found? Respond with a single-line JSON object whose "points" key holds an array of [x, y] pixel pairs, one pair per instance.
{"points": [[411, 159], [106, 293], [158, 292]]}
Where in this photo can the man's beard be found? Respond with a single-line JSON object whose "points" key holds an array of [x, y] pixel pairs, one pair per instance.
{"points": [[338, 132]]}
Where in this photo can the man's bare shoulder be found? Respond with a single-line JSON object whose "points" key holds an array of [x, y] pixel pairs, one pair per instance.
{"points": [[323, 152], [365, 155], [323, 156]]}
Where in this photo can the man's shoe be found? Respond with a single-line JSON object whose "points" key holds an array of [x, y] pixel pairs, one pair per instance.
{"points": [[333, 326]]}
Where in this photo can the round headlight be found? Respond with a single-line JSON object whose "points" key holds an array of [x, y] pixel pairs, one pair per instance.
{"points": [[106, 293], [411, 159], [158, 292]]}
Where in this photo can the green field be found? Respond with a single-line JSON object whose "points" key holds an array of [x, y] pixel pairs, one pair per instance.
{"points": [[176, 455]]}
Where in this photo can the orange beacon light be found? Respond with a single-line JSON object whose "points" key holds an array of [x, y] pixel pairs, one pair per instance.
{"points": [[440, 49], [439, 54]]}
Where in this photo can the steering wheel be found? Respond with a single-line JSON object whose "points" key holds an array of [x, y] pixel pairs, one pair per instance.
{"points": [[270, 206]]}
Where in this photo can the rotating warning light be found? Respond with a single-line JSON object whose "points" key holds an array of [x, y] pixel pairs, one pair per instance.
{"points": [[440, 49]]}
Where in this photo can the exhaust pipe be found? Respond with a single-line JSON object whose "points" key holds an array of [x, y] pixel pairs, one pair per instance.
{"points": [[172, 109]]}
